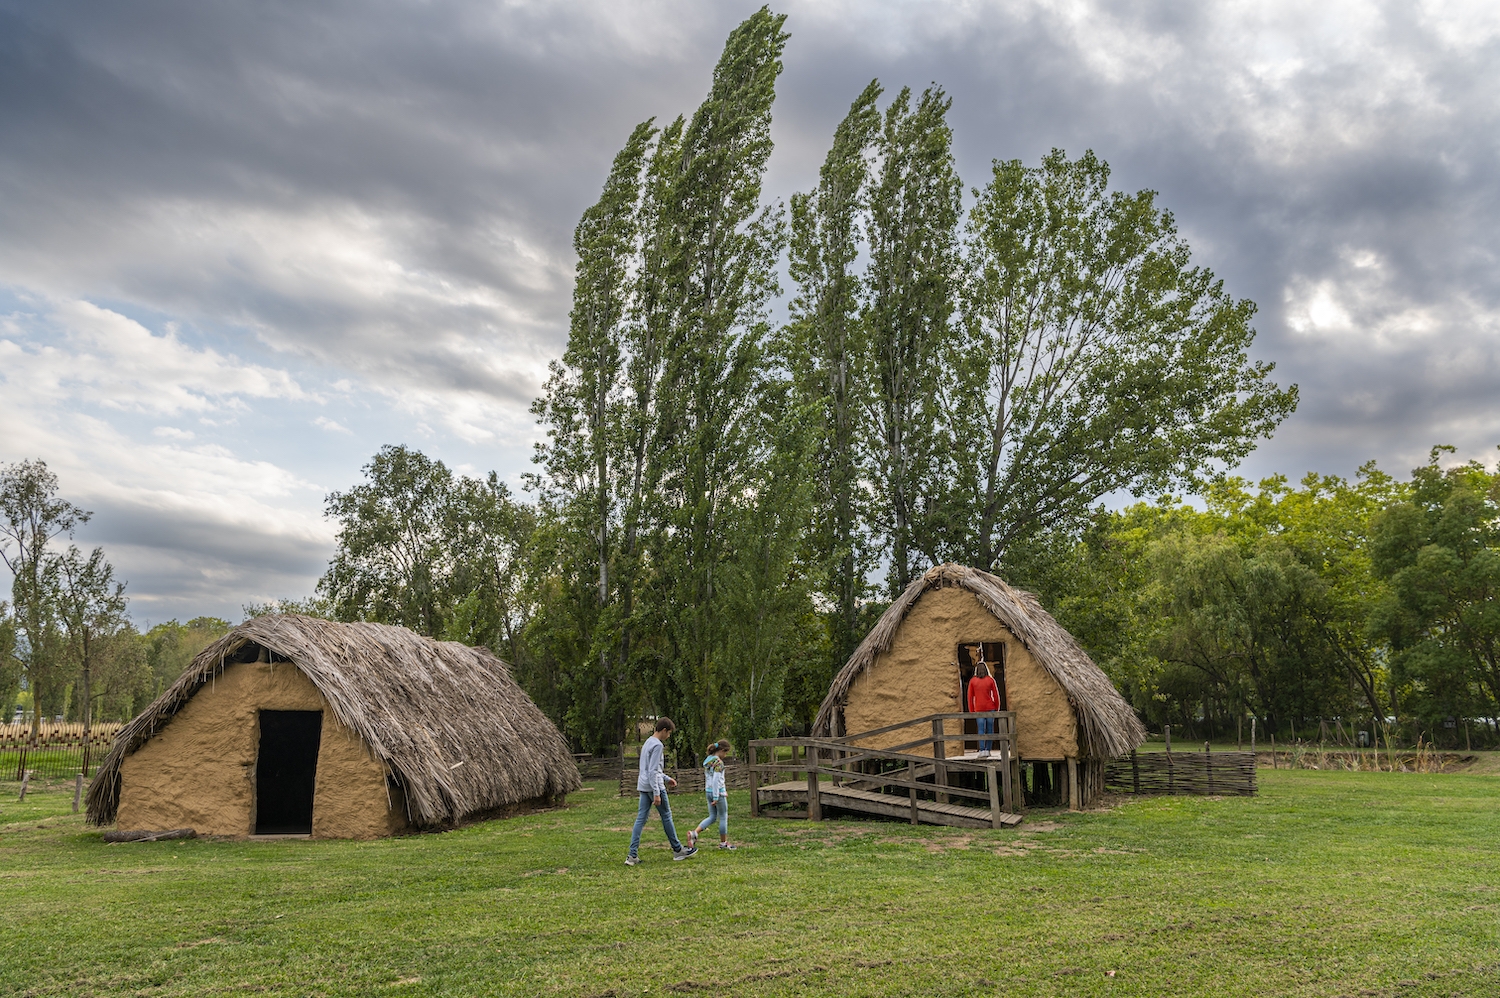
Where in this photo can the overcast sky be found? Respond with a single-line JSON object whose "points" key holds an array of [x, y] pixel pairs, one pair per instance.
{"points": [[244, 245]]}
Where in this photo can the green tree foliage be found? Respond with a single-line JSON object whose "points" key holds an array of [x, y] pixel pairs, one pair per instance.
{"points": [[31, 515], [438, 553], [169, 648], [912, 286], [1439, 550], [594, 465], [1096, 359], [103, 655], [822, 348], [1255, 605], [667, 460], [10, 666]]}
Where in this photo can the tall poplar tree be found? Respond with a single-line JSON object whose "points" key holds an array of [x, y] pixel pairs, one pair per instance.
{"points": [[823, 349], [913, 281], [588, 456], [719, 262]]}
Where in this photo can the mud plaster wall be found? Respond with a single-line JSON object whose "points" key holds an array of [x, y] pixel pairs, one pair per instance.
{"points": [[199, 770], [919, 675]]}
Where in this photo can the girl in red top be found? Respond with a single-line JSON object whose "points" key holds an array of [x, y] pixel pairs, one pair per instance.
{"points": [[984, 695]]}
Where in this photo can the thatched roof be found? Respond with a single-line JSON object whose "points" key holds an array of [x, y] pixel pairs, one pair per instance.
{"points": [[1107, 725], [456, 730]]}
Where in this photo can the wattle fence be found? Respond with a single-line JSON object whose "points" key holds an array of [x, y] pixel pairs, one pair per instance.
{"points": [[58, 752], [1189, 773]]}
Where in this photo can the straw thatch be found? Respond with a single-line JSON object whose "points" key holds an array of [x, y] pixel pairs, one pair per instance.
{"points": [[1107, 726], [457, 732]]}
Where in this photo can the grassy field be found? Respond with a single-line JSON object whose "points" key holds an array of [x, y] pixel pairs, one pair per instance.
{"points": [[1326, 884]]}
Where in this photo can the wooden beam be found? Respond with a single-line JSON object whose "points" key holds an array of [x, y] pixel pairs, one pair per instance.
{"points": [[1073, 802], [814, 798], [994, 798], [1007, 787], [939, 771], [911, 775], [754, 781]]}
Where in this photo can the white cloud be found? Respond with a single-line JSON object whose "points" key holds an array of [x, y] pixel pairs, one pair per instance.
{"points": [[332, 426], [76, 350]]}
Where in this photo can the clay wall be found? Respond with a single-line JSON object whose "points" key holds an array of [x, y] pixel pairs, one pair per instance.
{"points": [[919, 675], [199, 770]]}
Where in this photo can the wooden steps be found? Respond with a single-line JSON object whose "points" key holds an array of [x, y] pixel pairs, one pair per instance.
{"points": [[887, 805]]}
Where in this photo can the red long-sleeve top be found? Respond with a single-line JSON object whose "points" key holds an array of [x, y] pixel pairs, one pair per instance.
{"points": [[983, 694]]}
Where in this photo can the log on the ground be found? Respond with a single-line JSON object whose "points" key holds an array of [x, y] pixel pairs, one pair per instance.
{"points": [[139, 836]]}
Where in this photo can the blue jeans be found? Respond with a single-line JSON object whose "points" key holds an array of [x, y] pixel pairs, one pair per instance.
{"points": [[986, 727], [665, 810], [717, 809]]}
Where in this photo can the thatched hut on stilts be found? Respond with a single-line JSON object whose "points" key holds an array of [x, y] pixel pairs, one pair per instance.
{"points": [[920, 656], [294, 725]]}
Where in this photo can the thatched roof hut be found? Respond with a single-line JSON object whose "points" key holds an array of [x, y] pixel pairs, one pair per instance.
{"points": [[918, 659], [373, 727]]}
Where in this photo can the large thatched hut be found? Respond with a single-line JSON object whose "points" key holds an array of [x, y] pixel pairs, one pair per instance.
{"points": [[919, 658], [294, 725]]}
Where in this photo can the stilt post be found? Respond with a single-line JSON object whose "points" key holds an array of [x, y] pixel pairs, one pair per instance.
{"points": [[1073, 794]]}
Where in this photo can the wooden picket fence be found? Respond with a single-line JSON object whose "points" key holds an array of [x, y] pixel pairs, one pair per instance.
{"points": [[1188, 773], [59, 751]]}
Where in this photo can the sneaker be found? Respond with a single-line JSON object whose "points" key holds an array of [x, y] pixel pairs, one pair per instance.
{"points": [[632, 861], [688, 853], [727, 845]]}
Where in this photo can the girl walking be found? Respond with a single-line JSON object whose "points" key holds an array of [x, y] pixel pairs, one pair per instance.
{"points": [[718, 796]]}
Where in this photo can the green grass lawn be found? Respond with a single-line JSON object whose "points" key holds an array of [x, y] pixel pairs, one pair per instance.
{"points": [[1326, 884]]}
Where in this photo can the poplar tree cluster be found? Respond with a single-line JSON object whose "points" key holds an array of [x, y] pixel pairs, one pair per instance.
{"points": [[733, 499]]}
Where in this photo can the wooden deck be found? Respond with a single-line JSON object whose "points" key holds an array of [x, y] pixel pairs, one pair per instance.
{"points": [[887, 805]]}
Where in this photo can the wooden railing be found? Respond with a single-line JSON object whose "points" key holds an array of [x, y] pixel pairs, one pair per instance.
{"points": [[847, 762]]}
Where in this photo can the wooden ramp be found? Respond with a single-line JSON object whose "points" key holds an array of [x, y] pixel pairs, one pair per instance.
{"points": [[924, 812]]}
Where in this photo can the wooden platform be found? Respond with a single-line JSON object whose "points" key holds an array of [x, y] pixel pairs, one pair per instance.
{"points": [[886, 805]]}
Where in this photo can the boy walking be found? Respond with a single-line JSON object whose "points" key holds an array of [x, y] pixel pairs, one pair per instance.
{"points": [[652, 785]]}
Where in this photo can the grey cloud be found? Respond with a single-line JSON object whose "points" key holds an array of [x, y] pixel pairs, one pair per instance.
{"points": [[181, 565], [188, 157]]}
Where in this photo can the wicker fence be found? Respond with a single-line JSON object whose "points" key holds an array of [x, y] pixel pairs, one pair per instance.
{"points": [[59, 752], [1202, 773]]}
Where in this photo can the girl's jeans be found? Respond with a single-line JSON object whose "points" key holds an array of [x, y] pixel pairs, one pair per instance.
{"points": [[665, 810], [717, 809], [986, 727]]}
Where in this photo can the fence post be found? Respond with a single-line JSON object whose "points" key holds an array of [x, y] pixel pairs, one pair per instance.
{"points": [[1007, 787], [1208, 766], [754, 781], [994, 797], [814, 798], [939, 752], [77, 791], [1135, 773], [26, 779], [911, 778]]}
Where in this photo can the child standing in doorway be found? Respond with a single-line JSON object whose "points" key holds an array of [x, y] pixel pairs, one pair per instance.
{"points": [[718, 796]]}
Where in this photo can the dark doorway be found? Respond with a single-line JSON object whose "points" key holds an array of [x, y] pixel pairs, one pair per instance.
{"points": [[970, 655], [286, 771]]}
